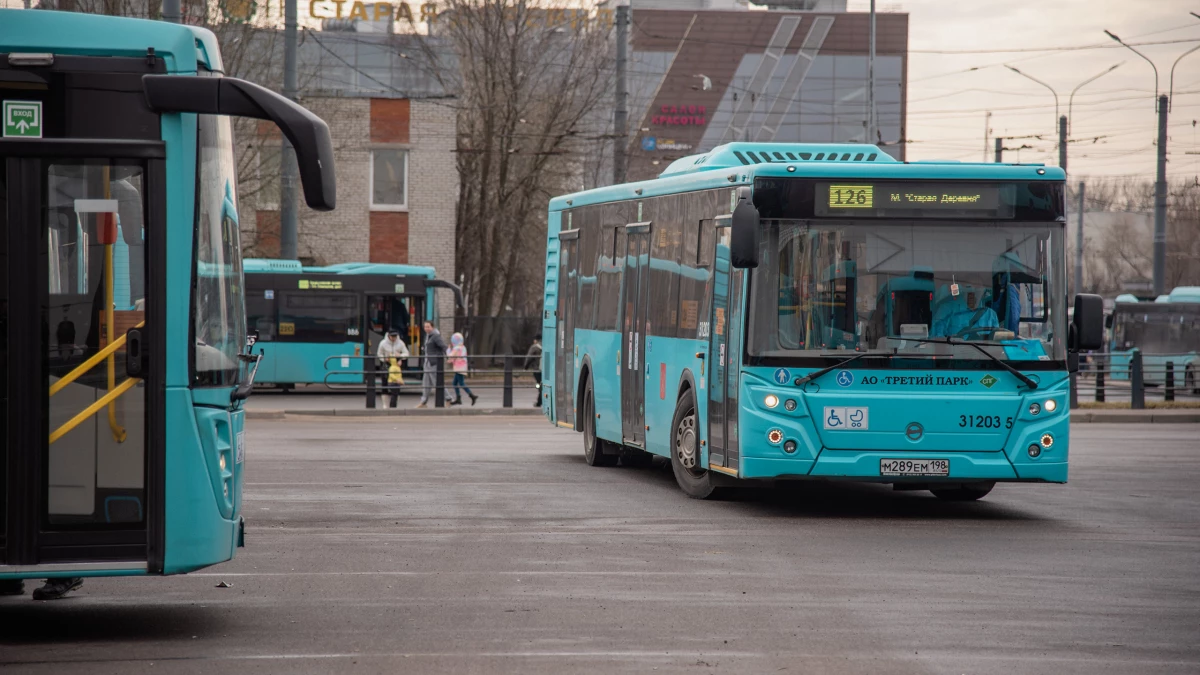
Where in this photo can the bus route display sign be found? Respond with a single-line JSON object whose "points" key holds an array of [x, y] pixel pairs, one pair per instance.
{"points": [[895, 199]]}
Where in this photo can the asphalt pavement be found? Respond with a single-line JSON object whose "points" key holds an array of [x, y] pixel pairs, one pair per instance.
{"points": [[461, 545]]}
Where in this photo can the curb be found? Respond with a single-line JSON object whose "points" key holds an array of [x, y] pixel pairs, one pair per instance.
{"points": [[394, 412]]}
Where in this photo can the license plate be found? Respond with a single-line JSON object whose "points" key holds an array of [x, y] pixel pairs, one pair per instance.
{"points": [[914, 467]]}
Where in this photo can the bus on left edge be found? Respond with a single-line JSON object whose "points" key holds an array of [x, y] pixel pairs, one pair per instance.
{"points": [[126, 355]]}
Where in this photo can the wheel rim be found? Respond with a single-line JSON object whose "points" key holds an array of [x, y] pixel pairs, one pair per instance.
{"points": [[687, 447]]}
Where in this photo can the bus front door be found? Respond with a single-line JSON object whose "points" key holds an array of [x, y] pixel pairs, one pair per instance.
{"points": [[80, 309], [635, 326], [725, 356]]}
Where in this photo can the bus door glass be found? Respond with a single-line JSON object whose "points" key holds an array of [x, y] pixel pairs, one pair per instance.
{"points": [[636, 298], [724, 355], [393, 312], [564, 365], [76, 343]]}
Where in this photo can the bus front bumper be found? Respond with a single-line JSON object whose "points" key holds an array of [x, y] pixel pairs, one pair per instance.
{"points": [[865, 466]]}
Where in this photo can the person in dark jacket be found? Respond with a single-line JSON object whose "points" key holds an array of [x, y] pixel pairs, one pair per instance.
{"points": [[435, 350], [533, 361]]}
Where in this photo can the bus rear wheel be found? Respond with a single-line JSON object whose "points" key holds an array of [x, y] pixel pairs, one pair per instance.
{"points": [[593, 448], [695, 481], [964, 493]]}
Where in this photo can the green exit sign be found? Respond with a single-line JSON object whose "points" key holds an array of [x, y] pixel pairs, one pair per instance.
{"points": [[22, 119]]}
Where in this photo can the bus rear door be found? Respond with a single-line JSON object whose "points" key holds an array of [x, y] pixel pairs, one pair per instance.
{"points": [[79, 286], [636, 325], [564, 351]]}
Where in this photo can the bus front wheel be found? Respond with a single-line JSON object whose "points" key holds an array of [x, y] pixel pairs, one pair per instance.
{"points": [[964, 493], [695, 481], [593, 448]]}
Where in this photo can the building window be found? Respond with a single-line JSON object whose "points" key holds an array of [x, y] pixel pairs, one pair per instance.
{"points": [[389, 180]]}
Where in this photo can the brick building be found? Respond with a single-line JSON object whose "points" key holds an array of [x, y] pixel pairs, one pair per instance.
{"points": [[393, 130]]}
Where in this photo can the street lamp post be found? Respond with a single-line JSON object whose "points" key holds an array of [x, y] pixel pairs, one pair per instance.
{"points": [[1163, 106], [1058, 121], [1160, 177], [1071, 100]]}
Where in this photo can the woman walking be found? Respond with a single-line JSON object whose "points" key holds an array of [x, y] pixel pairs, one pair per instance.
{"points": [[458, 361]]}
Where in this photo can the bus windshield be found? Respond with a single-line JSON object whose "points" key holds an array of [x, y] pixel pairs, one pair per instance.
{"points": [[1158, 329], [897, 285], [218, 307]]}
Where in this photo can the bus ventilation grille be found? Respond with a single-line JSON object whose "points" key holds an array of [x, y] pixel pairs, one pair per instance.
{"points": [[769, 157]]}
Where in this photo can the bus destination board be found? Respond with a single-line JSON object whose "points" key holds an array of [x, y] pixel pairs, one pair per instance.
{"points": [[912, 199]]}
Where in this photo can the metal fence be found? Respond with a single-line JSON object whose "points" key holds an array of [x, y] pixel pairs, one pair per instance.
{"points": [[487, 371], [1132, 376]]}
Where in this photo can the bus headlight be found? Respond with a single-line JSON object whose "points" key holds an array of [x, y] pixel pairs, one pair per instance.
{"points": [[1034, 408], [771, 400], [789, 447], [1035, 450], [1050, 405], [790, 404]]}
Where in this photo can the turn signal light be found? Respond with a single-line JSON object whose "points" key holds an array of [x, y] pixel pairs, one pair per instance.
{"points": [[1047, 441], [775, 435]]}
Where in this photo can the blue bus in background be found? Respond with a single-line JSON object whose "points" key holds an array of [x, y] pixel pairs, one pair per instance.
{"points": [[310, 321], [788, 311], [126, 353], [1166, 330]]}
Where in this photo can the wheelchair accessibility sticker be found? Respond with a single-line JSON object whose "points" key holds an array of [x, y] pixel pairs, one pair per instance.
{"points": [[845, 378], [846, 418]]}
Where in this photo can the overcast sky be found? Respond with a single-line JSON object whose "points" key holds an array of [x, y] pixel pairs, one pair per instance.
{"points": [[947, 102], [946, 106]]}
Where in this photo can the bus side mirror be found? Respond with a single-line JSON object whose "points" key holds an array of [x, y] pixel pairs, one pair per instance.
{"points": [[1088, 322], [308, 134], [743, 235]]}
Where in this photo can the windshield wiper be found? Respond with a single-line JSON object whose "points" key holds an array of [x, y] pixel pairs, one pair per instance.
{"points": [[801, 381], [1029, 382]]}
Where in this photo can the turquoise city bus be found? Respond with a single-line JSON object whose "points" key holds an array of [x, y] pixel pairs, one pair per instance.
{"points": [[836, 314], [311, 322], [1165, 331], [126, 351]]}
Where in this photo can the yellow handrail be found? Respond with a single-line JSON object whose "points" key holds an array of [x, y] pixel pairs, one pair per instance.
{"points": [[92, 409], [118, 431], [90, 363]]}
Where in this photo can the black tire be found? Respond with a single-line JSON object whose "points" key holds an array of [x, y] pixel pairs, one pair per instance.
{"points": [[695, 481], [593, 448], [965, 493]]}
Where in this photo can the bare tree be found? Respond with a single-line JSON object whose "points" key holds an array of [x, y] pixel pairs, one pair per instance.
{"points": [[528, 80], [1119, 248]]}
